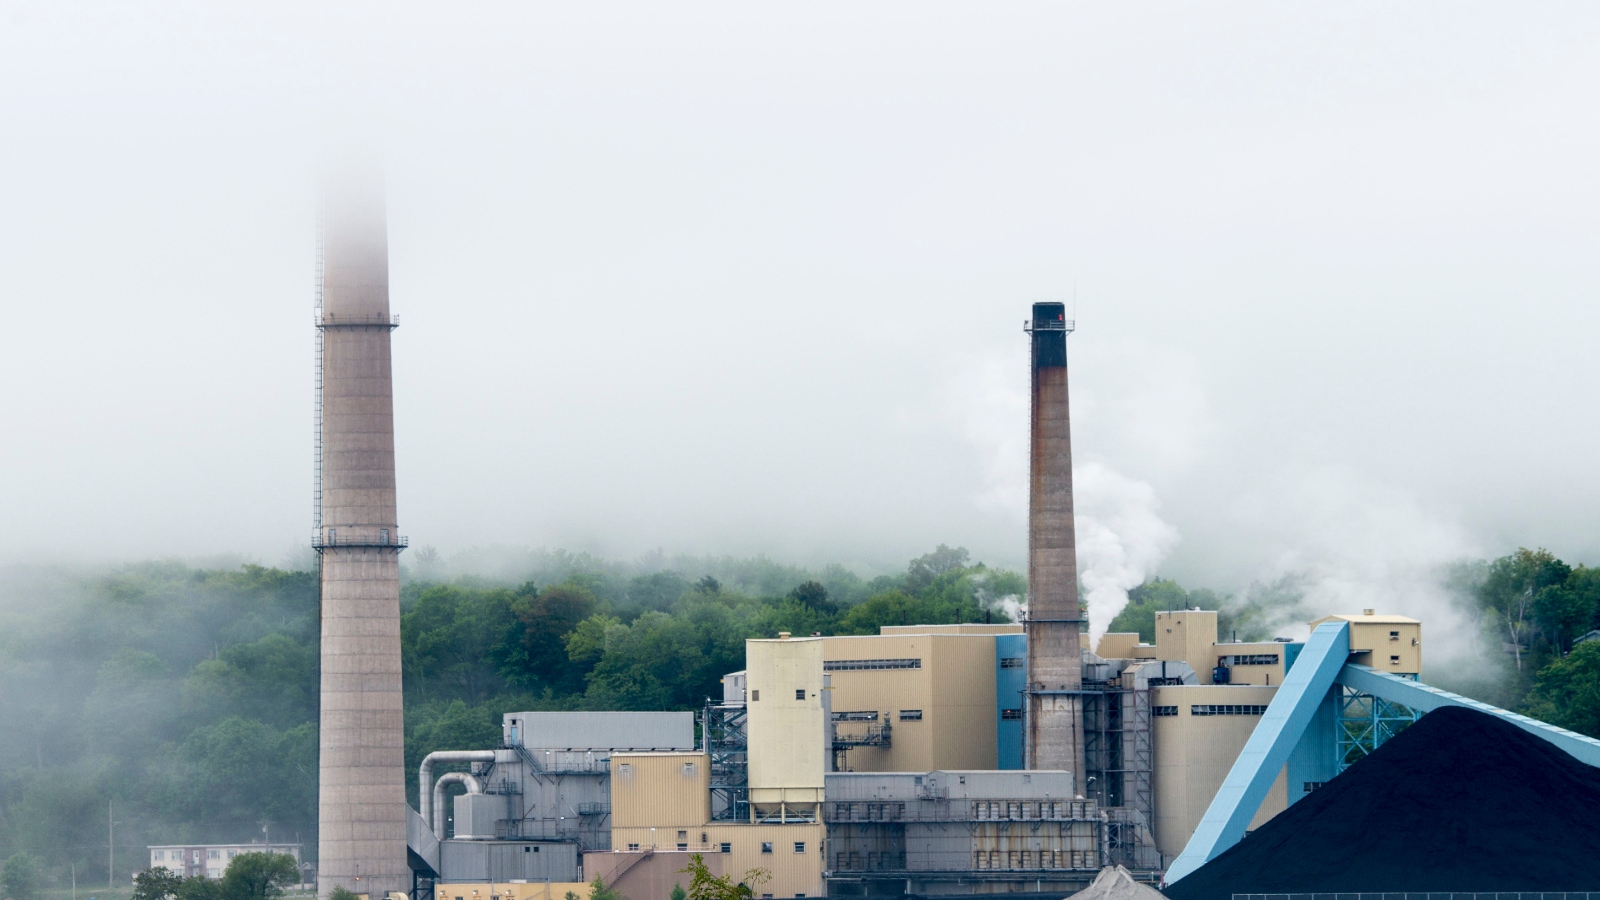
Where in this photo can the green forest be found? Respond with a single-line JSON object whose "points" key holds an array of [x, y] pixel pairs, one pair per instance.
{"points": [[181, 701]]}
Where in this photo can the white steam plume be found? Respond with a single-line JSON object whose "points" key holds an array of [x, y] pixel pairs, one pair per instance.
{"points": [[1122, 539], [1121, 536]]}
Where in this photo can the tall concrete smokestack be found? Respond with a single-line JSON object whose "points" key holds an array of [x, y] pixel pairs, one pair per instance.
{"points": [[361, 814], [1054, 715]]}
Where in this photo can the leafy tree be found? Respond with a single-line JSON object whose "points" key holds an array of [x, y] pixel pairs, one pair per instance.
{"points": [[1567, 691], [259, 876], [340, 892], [1512, 585], [924, 569], [540, 655], [678, 893], [20, 876], [813, 596], [156, 884], [705, 886], [200, 887], [453, 642], [599, 890]]}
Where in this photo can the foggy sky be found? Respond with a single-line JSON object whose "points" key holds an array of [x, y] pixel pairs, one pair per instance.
{"points": [[739, 278]]}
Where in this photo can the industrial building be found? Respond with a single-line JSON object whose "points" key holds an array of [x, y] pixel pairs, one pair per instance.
{"points": [[209, 860], [923, 761]]}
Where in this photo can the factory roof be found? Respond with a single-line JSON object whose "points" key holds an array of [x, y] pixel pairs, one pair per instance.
{"points": [[1369, 618]]}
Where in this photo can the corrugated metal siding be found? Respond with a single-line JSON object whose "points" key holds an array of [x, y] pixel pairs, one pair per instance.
{"points": [[660, 789], [503, 861], [602, 730]]}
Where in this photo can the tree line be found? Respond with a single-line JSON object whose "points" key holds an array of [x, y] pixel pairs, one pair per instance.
{"points": [[187, 697]]}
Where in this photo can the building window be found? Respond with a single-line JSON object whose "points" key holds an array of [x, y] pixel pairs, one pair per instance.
{"points": [[766, 847], [1313, 785], [1010, 662], [1394, 660], [911, 715], [1225, 709], [213, 854], [756, 694], [625, 768], [160, 855], [683, 835], [683, 846], [799, 846], [1256, 659], [856, 716], [800, 694], [232, 853], [632, 848], [1011, 714], [688, 770], [849, 665], [1163, 710], [726, 847]]}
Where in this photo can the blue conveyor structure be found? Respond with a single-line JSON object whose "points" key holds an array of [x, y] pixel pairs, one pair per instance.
{"points": [[1298, 729], [1292, 709]]}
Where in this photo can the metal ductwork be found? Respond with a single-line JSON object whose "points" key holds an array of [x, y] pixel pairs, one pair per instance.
{"points": [[473, 787], [428, 795]]}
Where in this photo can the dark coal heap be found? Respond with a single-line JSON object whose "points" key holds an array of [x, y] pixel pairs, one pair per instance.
{"points": [[1460, 801]]}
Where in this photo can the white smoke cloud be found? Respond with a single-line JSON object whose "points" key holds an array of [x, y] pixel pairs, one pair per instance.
{"points": [[1121, 536], [1356, 544], [1122, 539]]}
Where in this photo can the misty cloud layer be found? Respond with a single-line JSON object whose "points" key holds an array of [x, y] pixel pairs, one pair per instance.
{"points": [[720, 279]]}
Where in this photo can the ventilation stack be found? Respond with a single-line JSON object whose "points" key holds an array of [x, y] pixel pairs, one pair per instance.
{"points": [[361, 811], [1054, 711]]}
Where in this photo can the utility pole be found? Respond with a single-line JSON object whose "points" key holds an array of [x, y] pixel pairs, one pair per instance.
{"points": [[111, 848]]}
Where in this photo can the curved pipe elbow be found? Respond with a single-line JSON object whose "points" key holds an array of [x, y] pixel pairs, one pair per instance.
{"points": [[473, 787], [425, 776]]}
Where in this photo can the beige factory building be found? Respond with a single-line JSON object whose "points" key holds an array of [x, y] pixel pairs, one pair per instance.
{"points": [[661, 802], [932, 687]]}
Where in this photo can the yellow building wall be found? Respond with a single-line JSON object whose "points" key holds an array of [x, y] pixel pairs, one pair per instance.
{"points": [[1265, 675], [1194, 753], [1188, 635], [1386, 643], [1117, 645], [793, 873], [660, 788], [515, 890], [954, 690], [787, 727]]}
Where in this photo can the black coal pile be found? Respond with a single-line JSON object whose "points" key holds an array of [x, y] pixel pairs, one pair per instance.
{"points": [[1460, 801]]}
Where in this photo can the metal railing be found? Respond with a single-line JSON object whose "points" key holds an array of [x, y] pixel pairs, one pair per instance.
{"points": [[334, 539]]}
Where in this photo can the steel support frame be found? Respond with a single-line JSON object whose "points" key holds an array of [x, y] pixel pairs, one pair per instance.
{"points": [[1365, 723], [1268, 749]]}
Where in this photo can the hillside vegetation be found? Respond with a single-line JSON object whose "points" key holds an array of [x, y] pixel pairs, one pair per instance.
{"points": [[185, 698]]}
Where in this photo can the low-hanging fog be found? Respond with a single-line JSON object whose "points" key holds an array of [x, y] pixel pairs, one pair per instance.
{"points": [[750, 279]]}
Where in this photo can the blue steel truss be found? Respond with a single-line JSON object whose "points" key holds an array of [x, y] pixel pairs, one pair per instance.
{"points": [[1372, 707], [1366, 722]]}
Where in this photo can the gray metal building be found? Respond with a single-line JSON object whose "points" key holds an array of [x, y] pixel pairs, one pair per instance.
{"points": [[943, 833], [536, 803]]}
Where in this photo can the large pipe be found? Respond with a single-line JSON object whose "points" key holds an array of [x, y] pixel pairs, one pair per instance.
{"points": [[1054, 712], [425, 802], [361, 804], [445, 780]]}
